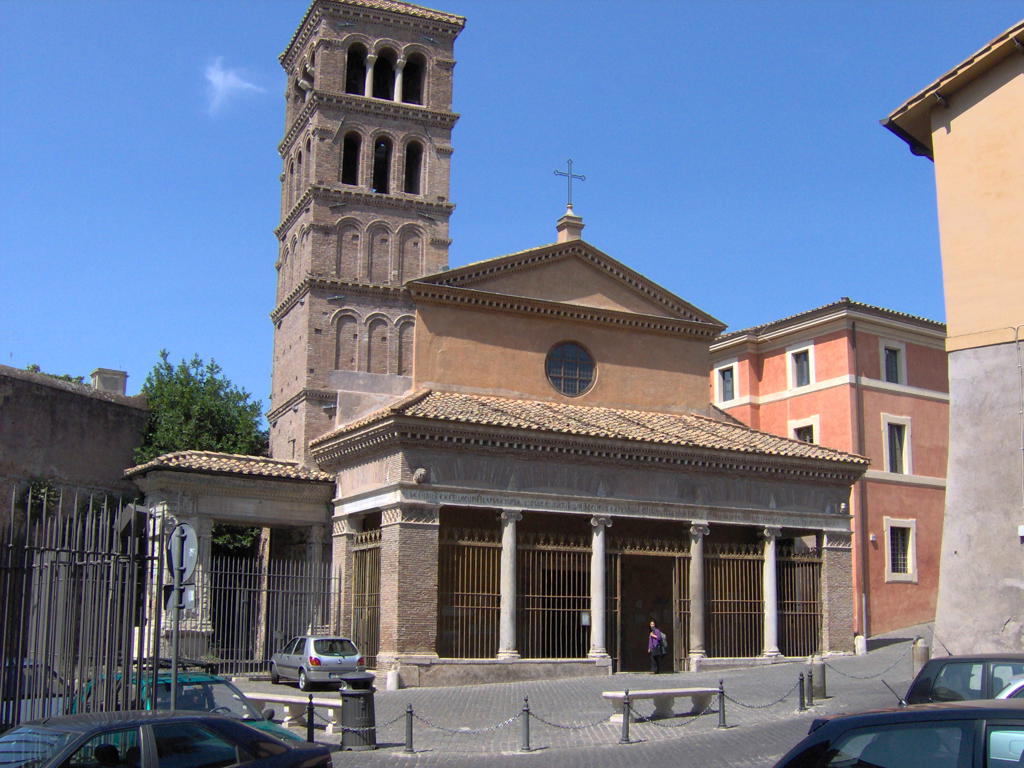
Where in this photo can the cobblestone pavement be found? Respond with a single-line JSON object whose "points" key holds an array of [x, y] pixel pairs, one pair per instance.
{"points": [[481, 724]]}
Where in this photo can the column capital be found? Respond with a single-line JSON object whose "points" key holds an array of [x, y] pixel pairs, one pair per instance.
{"points": [[370, 59], [698, 530], [770, 532], [601, 521], [414, 513], [510, 515]]}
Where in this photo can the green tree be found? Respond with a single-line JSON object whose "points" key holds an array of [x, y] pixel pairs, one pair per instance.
{"points": [[194, 407], [33, 368]]}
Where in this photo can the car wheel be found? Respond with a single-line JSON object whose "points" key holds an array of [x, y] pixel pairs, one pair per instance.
{"points": [[304, 684], [274, 677]]}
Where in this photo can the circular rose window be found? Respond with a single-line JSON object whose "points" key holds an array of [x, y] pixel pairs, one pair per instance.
{"points": [[570, 368]]}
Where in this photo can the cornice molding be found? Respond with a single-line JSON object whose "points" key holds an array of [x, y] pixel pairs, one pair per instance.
{"points": [[443, 294], [398, 431], [364, 105], [311, 282], [340, 195], [320, 395], [199, 483]]}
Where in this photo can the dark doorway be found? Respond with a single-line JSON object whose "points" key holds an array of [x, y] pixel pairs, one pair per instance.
{"points": [[646, 593]]}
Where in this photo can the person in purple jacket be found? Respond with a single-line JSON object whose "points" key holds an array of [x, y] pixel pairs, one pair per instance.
{"points": [[657, 646]]}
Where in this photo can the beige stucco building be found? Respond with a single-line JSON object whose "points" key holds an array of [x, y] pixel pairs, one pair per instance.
{"points": [[970, 122]]}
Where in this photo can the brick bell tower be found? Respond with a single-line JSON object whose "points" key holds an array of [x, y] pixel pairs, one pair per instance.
{"points": [[364, 207]]}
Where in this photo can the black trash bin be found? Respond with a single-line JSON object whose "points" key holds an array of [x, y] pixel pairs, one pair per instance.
{"points": [[358, 719]]}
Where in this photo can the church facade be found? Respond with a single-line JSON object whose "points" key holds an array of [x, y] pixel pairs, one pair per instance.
{"points": [[523, 463]]}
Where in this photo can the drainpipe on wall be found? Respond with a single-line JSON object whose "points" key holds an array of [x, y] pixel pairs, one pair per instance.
{"points": [[862, 489]]}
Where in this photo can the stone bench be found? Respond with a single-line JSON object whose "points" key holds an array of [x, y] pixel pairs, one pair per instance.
{"points": [[663, 698], [295, 708]]}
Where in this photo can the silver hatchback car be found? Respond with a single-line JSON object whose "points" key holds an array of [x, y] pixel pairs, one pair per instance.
{"points": [[316, 659]]}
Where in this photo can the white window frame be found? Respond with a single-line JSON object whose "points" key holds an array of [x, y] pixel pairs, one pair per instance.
{"points": [[899, 346], [791, 352], [908, 464], [898, 522], [792, 425], [735, 381]]}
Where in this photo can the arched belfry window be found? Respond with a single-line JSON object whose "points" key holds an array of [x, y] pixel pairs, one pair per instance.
{"points": [[351, 147], [412, 79], [355, 69], [382, 165], [413, 167], [384, 75]]}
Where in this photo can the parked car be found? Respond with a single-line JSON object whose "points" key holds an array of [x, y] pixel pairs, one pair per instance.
{"points": [[197, 691], [147, 739], [961, 678], [313, 659], [963, 734]]}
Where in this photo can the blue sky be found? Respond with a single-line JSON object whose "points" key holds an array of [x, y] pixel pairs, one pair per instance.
{"points": [[731, 147]]}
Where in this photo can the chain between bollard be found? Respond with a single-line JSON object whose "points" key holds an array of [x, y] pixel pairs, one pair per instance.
{"points": [[469, 731], [695, 716], [408, 729], [867, 677], [770, 703], [572, 727]]}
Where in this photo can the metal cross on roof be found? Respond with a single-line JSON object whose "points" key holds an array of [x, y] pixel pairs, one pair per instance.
{"points": [[570, 176]]}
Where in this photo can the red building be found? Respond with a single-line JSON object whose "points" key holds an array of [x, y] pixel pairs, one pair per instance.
{"points": [[870, 381]]}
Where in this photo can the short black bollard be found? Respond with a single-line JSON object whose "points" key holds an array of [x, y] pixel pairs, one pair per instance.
{"points": [[524, 733], [800, 687], [408, 729], [309, 719], [721, 704], [626, 709], [810, 688]]}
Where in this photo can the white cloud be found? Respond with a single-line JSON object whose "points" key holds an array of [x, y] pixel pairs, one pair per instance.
{"points": [[224, 84]]}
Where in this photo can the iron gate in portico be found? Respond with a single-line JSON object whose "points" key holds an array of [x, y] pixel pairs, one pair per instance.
{"points": [[366, 593]]}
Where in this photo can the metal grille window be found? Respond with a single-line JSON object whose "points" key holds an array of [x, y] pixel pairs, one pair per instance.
{"points": [[899, 549], [570, 368]]}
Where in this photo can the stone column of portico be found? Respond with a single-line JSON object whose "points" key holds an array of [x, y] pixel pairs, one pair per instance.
{"points": [[315, 544], [698, 530], [598, 644], [770, 534], [368, 86], [507, 626]]}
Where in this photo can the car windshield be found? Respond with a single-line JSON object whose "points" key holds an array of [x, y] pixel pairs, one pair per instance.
{"points": [[334, 646], [213, 695], [30, 745]]}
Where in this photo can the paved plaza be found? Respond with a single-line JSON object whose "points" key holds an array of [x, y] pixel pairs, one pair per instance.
{"points": [[481, 724]]}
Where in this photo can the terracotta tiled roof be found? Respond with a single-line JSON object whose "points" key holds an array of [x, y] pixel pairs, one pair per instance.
{"points": [[683, 430], [230, 464], [843, 303]]}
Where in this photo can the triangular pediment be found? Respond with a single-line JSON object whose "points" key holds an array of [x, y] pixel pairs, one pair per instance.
{"points": [[575, 274]]}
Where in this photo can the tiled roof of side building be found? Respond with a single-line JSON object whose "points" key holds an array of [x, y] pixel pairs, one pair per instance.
{"points": [[843, 303], [683, 430], [230, 464]]}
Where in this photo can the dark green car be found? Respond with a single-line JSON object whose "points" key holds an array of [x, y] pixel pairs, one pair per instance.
{"points": [[203, 692]]}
